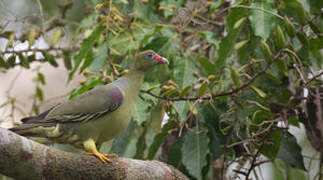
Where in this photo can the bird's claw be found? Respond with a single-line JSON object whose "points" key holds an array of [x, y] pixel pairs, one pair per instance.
{"points": [[103, 157]]}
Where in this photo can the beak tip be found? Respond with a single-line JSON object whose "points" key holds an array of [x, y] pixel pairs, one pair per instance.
{"points": [[165, 61]]}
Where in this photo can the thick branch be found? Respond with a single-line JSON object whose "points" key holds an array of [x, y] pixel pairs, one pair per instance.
{"points": [[21, 158]]}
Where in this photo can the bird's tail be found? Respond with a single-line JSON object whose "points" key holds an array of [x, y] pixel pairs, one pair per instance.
{"points": [[26, 130]]}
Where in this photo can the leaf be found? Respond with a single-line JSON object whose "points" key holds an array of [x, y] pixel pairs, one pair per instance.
{"points": [[156, 116], [31, 37], [3, 63], [240, 44], [87, 86], [156, 44], [87, 62], [99, 59], [202, 89], [141, 144], [235, 77], [261, 22], [295, 7], [86, 47], [158, 140], [258, 91], [239, 23], [140, 113], [11, 61], [41, 78], [149, 34], [290, 152], [67, 60], [39, 93], [194, 152], [50, 58], [210, 37], [281, 66], [186, 90], [227, 43], [23, 61], [207, 65], [121, 142], [183, 76], [271, 149], [57, 35], [174, 156]]}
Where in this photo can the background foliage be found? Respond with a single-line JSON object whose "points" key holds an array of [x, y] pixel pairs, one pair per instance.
{"points": [[241, 74]]}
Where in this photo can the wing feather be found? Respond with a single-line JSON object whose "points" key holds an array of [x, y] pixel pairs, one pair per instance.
{"points": [[89, 106]]}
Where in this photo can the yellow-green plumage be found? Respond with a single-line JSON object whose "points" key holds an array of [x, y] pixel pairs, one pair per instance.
{"points": [[95, 116]]}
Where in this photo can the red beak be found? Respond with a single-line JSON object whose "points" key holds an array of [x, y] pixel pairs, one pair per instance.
{"points": [[161, 60]]}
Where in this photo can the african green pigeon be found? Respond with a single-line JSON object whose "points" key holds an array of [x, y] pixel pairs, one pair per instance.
{"points": [[95, 116]]}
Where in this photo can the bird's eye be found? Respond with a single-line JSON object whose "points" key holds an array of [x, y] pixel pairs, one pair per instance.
{"points": [[150, 55]]}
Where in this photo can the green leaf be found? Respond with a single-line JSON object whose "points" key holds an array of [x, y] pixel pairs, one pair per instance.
{"points": [[121, 142], [149, 34], [235, 77], [174, 156], [158, 140], [86, 47], [263, 23], [290, 152], [202, 89], [87, 86], [186, 90], [281, 66], [3, 63], [41, 78], [99, 59], [271, 149], [140, 113], [156, 116], [87, 62], [156, 44], [57, 35], [258, 91], [183, 76], [12, 61], [23, 61], [194, 152], [210, 37], [227, 43], [39, 93], [67, 60], [141, 144], [50, 58], [31, 37], [207, 65], [295, 7]]}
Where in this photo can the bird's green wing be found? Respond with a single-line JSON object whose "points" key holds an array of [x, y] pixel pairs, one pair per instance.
{"points": [[88, 106]]}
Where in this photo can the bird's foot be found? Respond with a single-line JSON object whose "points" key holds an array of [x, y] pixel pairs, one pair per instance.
{"points": [[103, 157]]}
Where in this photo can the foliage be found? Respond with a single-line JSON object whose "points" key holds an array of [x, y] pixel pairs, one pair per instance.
{"points": [[233, 88]]}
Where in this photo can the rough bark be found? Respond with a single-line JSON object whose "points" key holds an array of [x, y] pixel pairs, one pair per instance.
{"points": [[21, 158]]}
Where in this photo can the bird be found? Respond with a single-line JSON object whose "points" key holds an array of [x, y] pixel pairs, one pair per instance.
{"points": [[95, 116]]}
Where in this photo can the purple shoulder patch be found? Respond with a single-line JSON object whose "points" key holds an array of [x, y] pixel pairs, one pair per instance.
{"points": [[115, 98]]}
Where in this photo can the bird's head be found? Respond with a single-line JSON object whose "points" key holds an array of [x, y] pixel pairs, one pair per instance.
{"points": [[146, 59]]}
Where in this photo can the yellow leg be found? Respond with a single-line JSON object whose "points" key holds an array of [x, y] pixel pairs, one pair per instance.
{"points": [[90, 148]]}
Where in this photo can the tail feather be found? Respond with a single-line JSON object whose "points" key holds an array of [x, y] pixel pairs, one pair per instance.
{"points": [[35, 119], [24, 130]]}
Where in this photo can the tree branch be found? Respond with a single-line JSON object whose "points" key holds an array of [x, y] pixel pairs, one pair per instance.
{"points": [[21, 158]]}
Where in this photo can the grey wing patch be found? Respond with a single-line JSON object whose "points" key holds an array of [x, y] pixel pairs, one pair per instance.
{"points": [[114, 100]]}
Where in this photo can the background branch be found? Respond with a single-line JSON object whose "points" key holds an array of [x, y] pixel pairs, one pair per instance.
{"points": [[21, 158]]}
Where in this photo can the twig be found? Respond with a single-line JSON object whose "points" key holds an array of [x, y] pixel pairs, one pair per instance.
{"points": [[313, 78]]}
